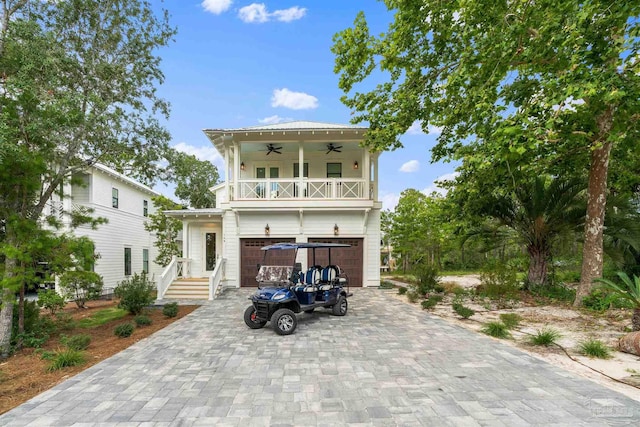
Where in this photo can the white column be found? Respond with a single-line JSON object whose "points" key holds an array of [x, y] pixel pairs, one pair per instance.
{"points": [[300, 170], [185, 238], [375, 177], [236, 169], [226, 173], [367, 172]]}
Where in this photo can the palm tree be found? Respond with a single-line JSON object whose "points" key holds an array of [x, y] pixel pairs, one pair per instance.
{"points": [[629, 290], [539, 212]]}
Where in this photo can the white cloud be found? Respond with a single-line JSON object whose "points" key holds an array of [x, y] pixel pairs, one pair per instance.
{"points": [[389, 201], [435, 187], [416, 129], [203, 153], [410, 166], [274, 119], [255, 12], [216, 6], [293, 100], [258, 13], [291, 14]]}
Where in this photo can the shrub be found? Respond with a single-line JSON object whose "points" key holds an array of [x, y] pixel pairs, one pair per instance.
{"points": [[498, 282], [65, 358], [453, 288], [31, 339], [51, 300], [427, 278], [135, 293], [124, 330], [170, 310], [555, 292], [81, 286], [413, 296], [64, 322], [511, 320], [431, 302], [402, 290], [545, 337], [142, 320], [595, 348], [495, 329], [385, 284], [462, 311], [77, 342]]}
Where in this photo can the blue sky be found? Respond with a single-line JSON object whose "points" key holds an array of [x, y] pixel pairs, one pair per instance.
{"points": [[237, 63]]}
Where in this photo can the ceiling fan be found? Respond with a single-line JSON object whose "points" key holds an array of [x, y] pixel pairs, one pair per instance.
{"points": [[331, 147], [273, 149]]}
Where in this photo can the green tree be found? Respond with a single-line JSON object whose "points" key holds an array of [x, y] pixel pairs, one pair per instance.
{"points": [[193, 178], [552, 84], [165, 228], [78, 86]]}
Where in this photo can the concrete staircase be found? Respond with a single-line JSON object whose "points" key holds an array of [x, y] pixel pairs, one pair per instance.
{"points": [[189, 288]]}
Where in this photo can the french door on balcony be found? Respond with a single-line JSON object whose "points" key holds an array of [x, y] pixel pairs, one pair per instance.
{"points": [[261, 173]]}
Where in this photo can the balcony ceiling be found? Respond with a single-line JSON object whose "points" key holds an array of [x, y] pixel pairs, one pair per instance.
{"points": [[292, 147]]}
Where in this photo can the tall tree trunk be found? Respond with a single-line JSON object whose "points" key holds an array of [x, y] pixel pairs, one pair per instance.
{"points": [[592, 250], [537, 266], [6, 312]]}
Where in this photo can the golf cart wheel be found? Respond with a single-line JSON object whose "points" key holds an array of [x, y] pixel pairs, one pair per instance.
{"points": [[309, 311], [340, 309], [251, 320], [284, 321]]}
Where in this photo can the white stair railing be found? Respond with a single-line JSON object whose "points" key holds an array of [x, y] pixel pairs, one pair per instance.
{"points": [[167, 277], [216, 278]]}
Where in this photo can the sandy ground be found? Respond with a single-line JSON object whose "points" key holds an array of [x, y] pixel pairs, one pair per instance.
{"points": [[574, 326]]}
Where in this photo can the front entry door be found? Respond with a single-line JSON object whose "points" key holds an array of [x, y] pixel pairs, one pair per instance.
{"points": [[209, 253]]}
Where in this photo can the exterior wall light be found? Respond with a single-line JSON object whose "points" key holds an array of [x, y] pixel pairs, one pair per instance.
{"points": [[242, 166], [355, 165], [267, 230], [336, 230]]}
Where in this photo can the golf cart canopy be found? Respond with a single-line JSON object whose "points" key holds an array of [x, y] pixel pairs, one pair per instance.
{"points": [[282, 246]]}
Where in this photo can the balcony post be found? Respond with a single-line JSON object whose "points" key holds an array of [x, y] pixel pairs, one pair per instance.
{"points": [[236, 168], [300, 169], [367, 172]]}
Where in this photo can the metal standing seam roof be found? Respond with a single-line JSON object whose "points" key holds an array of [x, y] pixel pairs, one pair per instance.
{"points": [[295, 125]]}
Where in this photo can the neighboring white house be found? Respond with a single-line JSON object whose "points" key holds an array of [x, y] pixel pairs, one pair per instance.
{"points": [[123, 245], [267, 200]]}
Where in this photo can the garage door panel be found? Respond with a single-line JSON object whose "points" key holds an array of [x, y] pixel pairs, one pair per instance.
{"points": [[349, 259], [251, 256]]}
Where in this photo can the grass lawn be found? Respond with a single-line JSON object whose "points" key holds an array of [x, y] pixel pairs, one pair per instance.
{"points": [[101, 317]]}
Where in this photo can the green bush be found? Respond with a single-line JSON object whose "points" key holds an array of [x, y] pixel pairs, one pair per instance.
{"points": [[135, 293], [413, 296], [511, 320], [545, 337], [462, 311], [124, 330], [142, 320], [65, 358], [427, 279], [595, 348], [51, 300], [385, 284], [601, 300], [170, 310], [81, 286], [555, 292], [31, 339], [64, 322], [402, 290], [77, 342], [431, 302], [498, 282], [31, 321], [495, 329]]}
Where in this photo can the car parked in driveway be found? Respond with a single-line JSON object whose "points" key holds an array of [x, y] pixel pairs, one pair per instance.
{"points": [[285, 290]]}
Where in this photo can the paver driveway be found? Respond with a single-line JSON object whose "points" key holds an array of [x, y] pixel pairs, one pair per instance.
{"points": [[385, 363]]}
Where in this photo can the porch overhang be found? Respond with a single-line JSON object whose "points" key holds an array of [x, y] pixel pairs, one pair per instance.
{"points": [[195, 213]]}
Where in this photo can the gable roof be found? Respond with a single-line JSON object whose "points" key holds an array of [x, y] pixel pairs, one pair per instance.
{"points": [[132, 182]]}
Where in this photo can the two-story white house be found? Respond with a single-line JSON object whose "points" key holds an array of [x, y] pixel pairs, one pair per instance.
{"points": [[290, 182], [123, 245]]}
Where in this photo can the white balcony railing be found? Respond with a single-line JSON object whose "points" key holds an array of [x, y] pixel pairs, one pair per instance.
{"points": [[311, 188]]}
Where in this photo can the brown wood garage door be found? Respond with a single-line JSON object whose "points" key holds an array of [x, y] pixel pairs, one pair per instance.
{"points": [[348, 259], [251, 256]]}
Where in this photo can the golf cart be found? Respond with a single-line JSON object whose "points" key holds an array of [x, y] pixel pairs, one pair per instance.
{"points": [[284, 291]]}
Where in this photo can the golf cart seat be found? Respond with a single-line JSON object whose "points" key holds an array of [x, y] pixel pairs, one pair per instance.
{"points": [[312, 277], [328, 277]]}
